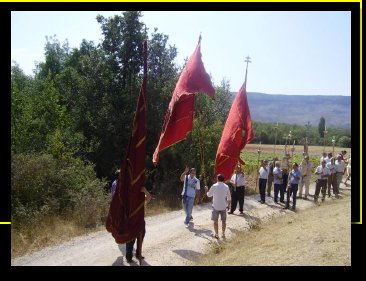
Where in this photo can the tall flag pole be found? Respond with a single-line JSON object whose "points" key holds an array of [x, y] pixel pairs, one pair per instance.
{"points": [[178, 121], [238, 131], [126, 213]]}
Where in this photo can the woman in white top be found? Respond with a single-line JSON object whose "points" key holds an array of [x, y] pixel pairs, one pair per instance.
{"points": [[348, 170]]}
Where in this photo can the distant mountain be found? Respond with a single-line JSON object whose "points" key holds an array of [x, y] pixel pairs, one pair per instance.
{"points": [[296, 109]]}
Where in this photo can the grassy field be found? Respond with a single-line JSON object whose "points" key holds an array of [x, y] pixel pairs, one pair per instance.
{"points": [[319, 236]]}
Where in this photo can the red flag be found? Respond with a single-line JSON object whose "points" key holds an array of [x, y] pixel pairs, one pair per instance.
{"points": [[237, 133], [126, 213], [178, 121]]}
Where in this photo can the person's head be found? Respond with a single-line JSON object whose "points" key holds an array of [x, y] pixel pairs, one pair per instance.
{"points": [[339, 157], [220, 177], [324, 154], [192, 172], [295, 166], [265, 162], [323, 163], [238, 168], [344, 152], [275, 159], [330, 155], [278, 164]]}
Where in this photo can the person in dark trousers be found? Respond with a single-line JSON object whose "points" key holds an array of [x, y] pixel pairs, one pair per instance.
{"points": [[293, 185], [277, 174], [238, 193], [270, 176], [263, 175], [139, 238]]}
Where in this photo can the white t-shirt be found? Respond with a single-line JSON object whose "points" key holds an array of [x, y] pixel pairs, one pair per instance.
{"points": [[340, 166], [221, 195], [238, 179], [263, 174], [322, 171]]}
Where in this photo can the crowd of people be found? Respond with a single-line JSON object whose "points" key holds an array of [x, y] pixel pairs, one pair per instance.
{"points": [[290, 182], [286, 182]]}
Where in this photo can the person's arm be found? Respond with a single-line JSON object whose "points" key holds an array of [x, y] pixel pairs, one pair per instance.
{"points": [[182, 176], [147, 193], [198, 186], [209, 192]]}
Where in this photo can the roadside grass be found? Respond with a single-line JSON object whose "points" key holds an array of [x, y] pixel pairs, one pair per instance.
{"points": [[317, 236]]}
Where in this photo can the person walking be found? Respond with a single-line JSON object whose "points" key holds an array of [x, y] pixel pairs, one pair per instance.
{"points": [[322, 173], [270, 175], [294, 178], [191, 186], [221, 198], [263, 176], [238, 193], [332, 178], [277, 173], [306, 167]]}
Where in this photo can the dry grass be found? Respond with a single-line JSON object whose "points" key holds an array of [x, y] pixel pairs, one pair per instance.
{"points": [[51, 231], [317, 236], [313, 150]]}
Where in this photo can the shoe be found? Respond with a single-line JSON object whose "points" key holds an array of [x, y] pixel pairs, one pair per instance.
{"points": [[260, 201], [215, 236], [241, 213], [276, 202], [293, 208], [269, 194], [129, 260], [328, 195], [230, 213], [186, 224], [287, 207], [282, 201], [138, 257], [191, 219]]}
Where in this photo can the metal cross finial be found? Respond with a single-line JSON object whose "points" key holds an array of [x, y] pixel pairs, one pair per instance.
{"points": [[247, 60]]}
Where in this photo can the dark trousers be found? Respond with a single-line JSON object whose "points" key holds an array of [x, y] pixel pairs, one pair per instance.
{"points": [[292, 191], [320, 184], [129, 246], [237, 195], [262, 189], [284, 186], [278, 187], [332, 181]]}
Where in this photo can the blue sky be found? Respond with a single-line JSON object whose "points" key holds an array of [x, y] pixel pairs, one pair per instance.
{"points": [[297, 53]]}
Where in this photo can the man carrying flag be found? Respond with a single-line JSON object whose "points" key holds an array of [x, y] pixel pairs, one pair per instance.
{"points": [[237, 133], [126, 213], [178, 121]]}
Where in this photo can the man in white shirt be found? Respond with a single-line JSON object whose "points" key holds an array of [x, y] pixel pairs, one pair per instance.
{"points": [[263, 176], [191, 185], [340, 168], [238, 193], [322, 173], [221, 198]]}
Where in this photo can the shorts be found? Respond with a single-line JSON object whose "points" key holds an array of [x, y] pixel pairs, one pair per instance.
{"points": [[215, 215]]}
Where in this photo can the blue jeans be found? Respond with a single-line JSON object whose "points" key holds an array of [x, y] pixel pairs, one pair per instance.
{"points": [[187, 203]]}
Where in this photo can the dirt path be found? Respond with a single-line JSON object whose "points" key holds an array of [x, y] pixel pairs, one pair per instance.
{"points": [[167, 241]]}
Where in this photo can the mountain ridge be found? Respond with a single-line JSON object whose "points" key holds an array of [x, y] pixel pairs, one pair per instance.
{"points": [[299, 109]]}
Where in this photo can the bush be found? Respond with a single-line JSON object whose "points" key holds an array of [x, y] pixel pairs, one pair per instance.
{"points": [[42, 185]]}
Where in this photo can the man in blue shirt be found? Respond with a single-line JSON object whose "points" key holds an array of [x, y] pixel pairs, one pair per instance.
{"points": [[294, 178]]}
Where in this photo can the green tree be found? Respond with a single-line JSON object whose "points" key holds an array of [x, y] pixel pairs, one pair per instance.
{"points": [[321, 127]]}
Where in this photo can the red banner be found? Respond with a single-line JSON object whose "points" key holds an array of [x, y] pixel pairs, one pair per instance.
{"points": [[178, 121], [126, 213], [237, 133]]}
